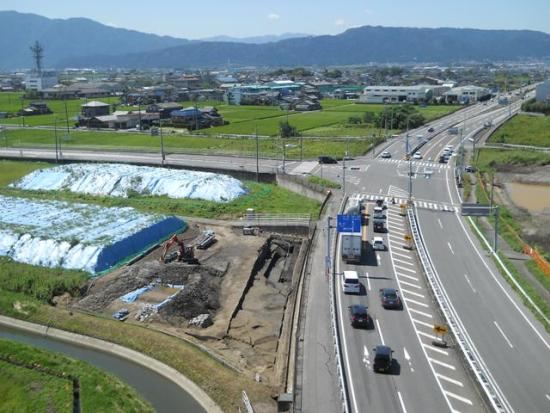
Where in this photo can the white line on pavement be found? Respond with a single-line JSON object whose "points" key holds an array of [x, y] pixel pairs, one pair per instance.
{"points": [[402, 255], [430, 336], [404, 262], [380, 331], [404, 268], [450, 247], [402, 403], [457, 397], [470, 284], [423, 323], [447, 365], [410, 300], [437, 350], [503, 335], [410, 284], [410, 277], [368, 280], [413, 293], [440, 224], [458, 383]]}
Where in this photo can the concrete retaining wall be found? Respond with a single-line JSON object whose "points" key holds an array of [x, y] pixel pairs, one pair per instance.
{"points": [[300, 186]]}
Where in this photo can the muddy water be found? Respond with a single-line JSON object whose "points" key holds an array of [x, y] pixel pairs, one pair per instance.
{"points": [[533, 197]]}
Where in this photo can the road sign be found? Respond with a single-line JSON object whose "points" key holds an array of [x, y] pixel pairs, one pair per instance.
{"points": [[476, 210], [439, 329], [348, 223]]}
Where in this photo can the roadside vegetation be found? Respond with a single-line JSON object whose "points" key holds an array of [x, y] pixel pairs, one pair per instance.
{"points": [[524, 130], [501, 159], [327, 183], [41, 383], [536, 107]]}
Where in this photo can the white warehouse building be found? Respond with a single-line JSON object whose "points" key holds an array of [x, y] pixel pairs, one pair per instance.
{"points": [[543, 92], [467, 94], [396, 94]]}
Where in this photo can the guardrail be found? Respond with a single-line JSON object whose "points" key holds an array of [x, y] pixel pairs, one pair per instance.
{"points": [[334, 323], [493, 393], [263, 219]]}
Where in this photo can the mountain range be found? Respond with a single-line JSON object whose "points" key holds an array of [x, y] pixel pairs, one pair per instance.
{"points": [[80, 42]]}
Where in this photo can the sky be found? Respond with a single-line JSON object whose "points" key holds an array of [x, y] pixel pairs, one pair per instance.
{"points": [[244, 18]]}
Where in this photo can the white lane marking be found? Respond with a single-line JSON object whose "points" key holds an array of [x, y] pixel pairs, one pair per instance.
{"points": [[441, 363], [503, 335], [366, 356], [404, 262], [407, 356], [378, 258], [402, 403], [440, 224], [404, 268], [398, 231], [368, 280], [380, 331], [410, 300], [411, 284], [403, 255], [547, 396], [410, 277], [456, 382], [393, 238], [430, 336], [470, 284], [457, 397], [450, 247], [413, 293], [380, 191], [437, 350], [430, 326], [352, 388]]}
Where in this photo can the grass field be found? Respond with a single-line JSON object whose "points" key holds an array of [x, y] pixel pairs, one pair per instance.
{"points": [[261, 197], [27, 390], [524, 130], [488, 159]]}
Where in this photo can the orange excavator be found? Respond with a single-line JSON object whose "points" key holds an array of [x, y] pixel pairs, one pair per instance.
{"points": [[185, 254]]}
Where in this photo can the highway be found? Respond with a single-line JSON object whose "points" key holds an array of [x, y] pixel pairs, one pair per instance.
{"points": [[511, 343]]}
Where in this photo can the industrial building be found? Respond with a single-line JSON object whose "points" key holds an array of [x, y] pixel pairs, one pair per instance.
{"points": [[267, 93], [467, 94], [543, 92], [38, 82], [396, 94]]}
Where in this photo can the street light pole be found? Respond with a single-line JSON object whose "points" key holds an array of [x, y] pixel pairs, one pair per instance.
{"points": [[162, 154], [56, 142], [344, 175], [257, 155]]}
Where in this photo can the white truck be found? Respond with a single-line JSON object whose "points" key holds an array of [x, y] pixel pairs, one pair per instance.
{"points": [[351, 247]]}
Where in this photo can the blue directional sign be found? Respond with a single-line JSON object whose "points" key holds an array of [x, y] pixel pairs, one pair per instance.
{"points": [[348, 223]]}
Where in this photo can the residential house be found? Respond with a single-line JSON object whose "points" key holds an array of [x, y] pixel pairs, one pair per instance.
{"points": [[94, 108], [164, 109], [35, 108]]}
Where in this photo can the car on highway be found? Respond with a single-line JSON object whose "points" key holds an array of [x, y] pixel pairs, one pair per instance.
{"points": [[359, 316], [442, 159], [385, 154], [431, 130], [350, 282], [378, 244], [383, 359], [417, 155], [327, 159], [389, 298]]}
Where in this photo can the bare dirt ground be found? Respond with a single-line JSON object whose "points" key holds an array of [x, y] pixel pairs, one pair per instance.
{"points": [[242, 282]]}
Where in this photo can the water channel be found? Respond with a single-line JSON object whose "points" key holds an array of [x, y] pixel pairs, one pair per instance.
{"points": [[164, 395]]}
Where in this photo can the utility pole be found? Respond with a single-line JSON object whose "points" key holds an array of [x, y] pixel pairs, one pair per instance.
{"points": [[66, 111], [327, 256], [301, 147], [492, 188], [284, 155], [162, 154], [257, 155], [139, 112], [344, 175], [56, 144], [495, 245], [22, 112]]}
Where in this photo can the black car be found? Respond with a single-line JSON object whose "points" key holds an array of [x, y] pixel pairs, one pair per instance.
{"points": [[390, 298], [327, 159], [431, 130], [383, 359], [442, 159], [358, 316], [470, 168]]}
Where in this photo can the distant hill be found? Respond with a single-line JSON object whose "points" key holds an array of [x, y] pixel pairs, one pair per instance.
{"points": [[354, 46], [67, 39], [269, 38], [86, 43]]}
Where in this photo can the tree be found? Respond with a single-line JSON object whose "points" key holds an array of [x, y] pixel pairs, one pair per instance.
{"points": [[286, 130], [369, 117], [354, 120], [398, 116]]}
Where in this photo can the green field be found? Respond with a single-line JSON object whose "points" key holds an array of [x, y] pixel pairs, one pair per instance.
{"points": [[262, 197], [488, 158], [524, 130], [28, 390]]}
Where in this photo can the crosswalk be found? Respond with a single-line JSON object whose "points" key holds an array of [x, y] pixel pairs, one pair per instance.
{"points": [[426, 164], [400, 200]]}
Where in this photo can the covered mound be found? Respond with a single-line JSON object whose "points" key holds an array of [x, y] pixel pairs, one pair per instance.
{"points": [[77, 236], [119, 180]]}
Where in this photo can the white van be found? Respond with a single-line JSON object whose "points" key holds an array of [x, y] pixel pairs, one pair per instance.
{"points": [[350, 282]]}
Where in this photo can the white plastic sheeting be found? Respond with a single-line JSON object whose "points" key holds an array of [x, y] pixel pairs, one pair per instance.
{"points": [[119, 180], [74, 235]]}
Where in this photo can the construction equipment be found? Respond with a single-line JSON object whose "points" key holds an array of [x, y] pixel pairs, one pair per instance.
{"points": [[184, 253], [207, 238]]}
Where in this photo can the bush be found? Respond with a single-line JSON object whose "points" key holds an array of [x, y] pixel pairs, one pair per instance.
{"points": [[286, 130], [538, 107]]}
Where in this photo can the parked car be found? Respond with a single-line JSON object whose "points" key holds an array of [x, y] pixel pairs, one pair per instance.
{"points": [[470, 168], [390, 298], [359, 316], [122, 314], [383, 359], [327, 159], [378, 244], [385, 154]]}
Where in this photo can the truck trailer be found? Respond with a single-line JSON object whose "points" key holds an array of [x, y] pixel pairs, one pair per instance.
{"points": [[351, 247]]}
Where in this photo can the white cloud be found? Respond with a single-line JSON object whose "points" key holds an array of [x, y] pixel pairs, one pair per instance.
{"points": [[273, 16], [339, 22]]}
